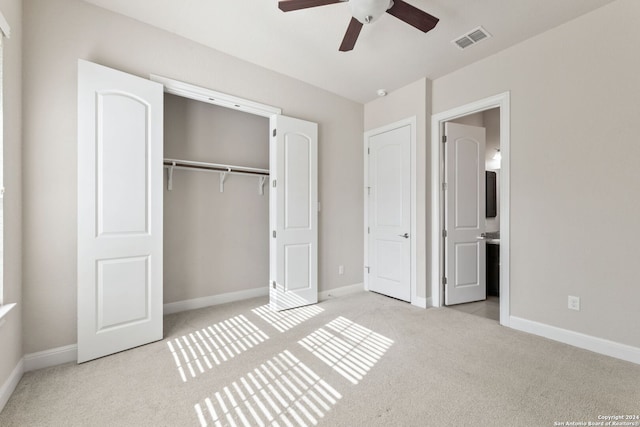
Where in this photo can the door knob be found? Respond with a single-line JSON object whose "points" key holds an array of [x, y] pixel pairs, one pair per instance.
{"points": [[405, 235]]}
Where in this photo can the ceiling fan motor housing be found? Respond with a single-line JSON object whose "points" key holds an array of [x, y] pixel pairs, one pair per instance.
{"points": [[368, 11]]}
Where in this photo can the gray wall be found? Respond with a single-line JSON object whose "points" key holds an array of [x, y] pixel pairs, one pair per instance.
{"points": [[574, 168], [11, 331], [214, 242], [57, 33]]}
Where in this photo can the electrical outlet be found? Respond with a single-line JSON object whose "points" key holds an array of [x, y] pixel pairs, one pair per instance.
{"points": [[574, 303], [340, 270]]}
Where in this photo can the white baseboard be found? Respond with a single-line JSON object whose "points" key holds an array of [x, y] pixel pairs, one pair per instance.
{"points": [[192, 304], [577, 339], [421, 302], [69, 353], [341, 291], [52, 357], [11, 383]]}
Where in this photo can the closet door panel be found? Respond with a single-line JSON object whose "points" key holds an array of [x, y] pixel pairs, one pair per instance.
{"points": [[120, 151], [297, 260], [293, 213], [123, 144], [297, 182], [118, 278]]}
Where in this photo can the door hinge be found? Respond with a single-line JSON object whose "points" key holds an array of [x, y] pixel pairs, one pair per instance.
{"points": [[444, 186], [274, 132], [368, 191], [368, 269], [368, 230], [274, 234], [274, 183], [444, 280], [444, 233], [273, 284], [444, 139], [368, 150]]}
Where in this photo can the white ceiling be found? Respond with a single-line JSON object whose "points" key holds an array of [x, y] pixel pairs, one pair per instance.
{"points": [[389, 53]]}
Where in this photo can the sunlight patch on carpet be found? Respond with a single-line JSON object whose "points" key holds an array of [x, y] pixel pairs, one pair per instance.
{"points": [[288, 319], [281, 392], [348, 348], [199, 351]]}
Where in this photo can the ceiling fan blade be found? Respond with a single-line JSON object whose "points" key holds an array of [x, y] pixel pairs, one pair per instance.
{"points": [[413, 16], [351, 36], [289, 5]]}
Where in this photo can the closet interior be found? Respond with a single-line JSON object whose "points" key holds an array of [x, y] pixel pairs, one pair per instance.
{"points": [[216, 200]]}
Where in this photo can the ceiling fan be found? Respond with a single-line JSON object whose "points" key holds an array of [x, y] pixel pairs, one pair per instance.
{"points": [[366, 12]]}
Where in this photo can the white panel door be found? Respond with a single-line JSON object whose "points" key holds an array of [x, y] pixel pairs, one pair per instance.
{"points": [[465, 251], [390, 213], [293, 207], [120, 125]]}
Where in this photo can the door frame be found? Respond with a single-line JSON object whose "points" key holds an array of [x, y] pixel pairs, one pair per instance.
{"points": [[501, 101], [412, 123], [209, 96]]}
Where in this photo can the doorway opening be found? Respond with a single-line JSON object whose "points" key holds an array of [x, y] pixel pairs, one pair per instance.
{"points": [[490, 110], [216, 220], [292, 183]]}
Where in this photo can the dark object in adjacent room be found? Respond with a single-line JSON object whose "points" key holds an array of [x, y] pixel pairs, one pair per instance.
{"points": [[490, 183], [493, 269]]}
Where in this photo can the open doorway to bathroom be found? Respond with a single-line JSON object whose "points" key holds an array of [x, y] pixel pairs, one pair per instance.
{"points": [[489, 305], [448, 272]]}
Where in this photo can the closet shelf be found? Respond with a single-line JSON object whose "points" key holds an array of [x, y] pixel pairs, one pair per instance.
{"points": [[222, 169]]}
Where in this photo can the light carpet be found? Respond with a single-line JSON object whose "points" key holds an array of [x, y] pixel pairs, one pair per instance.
{"points": [[359, 360]]}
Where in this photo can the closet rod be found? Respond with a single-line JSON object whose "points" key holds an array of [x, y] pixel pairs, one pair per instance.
{"points": [[223, 170], [215, 167]]}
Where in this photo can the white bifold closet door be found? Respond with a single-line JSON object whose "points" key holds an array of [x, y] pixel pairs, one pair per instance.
{"points": [[293, 213], [120, 211], [120, 151]]}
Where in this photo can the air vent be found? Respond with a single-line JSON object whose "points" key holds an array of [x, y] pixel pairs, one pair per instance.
{"points": [[472, 37]]}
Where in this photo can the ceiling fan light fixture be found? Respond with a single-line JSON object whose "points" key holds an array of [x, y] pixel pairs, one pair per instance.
{"points": [[368, 11]]}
